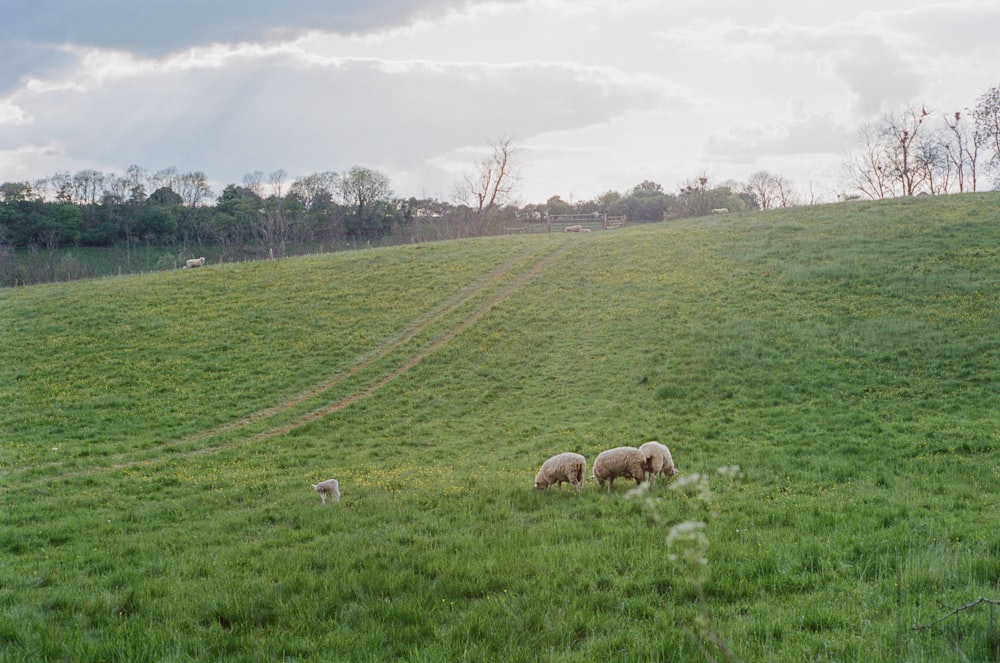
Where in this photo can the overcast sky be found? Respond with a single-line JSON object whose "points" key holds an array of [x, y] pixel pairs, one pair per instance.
{"points": [[599, 94]]}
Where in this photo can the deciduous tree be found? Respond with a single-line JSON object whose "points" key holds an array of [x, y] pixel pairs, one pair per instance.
{"points": [[490, 186], [369, 194], [987, 117]]}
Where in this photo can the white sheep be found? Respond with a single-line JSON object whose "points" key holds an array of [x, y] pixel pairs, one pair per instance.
{"points": [[573, 229], [194, 262], [721, 210], [620, 462], [658, 459], [566, 467], [329, 487]]}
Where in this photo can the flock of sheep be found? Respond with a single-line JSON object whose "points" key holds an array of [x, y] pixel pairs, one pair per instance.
{"points": [[628, 462], [569, 467]]}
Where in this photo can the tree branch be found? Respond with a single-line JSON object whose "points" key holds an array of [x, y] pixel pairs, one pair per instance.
{"points": [[957, 610]]}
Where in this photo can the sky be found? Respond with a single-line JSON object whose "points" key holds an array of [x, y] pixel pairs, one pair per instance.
{"points": [[597, 95]]}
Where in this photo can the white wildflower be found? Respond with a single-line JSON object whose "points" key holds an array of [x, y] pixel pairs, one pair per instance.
{"points": [[731, 471], [688, 543]]}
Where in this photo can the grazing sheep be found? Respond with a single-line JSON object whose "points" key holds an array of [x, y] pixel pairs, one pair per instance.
{"points": [[569, 467], [194, 262], [619, 462], [573, 229], [720, 210], [658, 459], [329, 487]]}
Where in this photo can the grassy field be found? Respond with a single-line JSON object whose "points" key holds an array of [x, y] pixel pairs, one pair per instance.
{"points": [[158, 435]]}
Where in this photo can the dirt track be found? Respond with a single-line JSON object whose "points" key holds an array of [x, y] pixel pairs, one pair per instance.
{"points": [[202, 441]]}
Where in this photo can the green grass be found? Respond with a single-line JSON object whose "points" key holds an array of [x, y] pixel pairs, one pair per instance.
{"points": [[159, 432]]}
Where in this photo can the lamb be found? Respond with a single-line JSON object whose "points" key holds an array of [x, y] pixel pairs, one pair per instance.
{"points": [[329, 487], [573, 229], [721, 210], [194, 262], [569, 467], [620, 462], [658, 459]]}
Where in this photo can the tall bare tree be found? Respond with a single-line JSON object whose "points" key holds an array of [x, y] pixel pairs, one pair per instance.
{"points": [[868, 167], [193, 187], [894, 156], [903, 135], [765, 188], [962, 150], [166, 178], [987, 117], [491, 185], [87, 185], [255, 182], [277, 181]]}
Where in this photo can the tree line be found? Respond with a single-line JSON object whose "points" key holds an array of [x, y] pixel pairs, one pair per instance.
{"points": [[920, 151], [272, 214], [903, 154]]}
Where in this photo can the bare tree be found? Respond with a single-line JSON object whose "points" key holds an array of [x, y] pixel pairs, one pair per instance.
{"points": [[961, 151], [764, 187], [987, 117], [87, 184], [894, 156], [902, 132], [166, 178], [193, 188], [135, 181], [785, 191], [869, 167], [255, 182], [490, 186], [277, 181]]}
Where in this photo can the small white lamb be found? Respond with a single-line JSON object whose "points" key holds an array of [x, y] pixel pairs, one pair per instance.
{"points": [[194, 262], [566, 467], [658, 459], [329, 487]]}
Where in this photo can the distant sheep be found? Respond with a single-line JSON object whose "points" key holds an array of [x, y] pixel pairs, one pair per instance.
{"points": [[720, 210], [194, 262], [619, 462], [329, 487], [566, 467], [573, 229], [658, 459]]}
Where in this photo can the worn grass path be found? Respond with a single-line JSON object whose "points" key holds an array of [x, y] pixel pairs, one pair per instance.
{"points": [[506, 279]]}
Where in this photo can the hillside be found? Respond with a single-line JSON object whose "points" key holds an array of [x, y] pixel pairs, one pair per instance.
{"points": [[159, 434]]}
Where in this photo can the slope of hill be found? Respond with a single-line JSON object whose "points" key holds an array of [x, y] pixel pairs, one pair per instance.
{"points": [[840, 364]]}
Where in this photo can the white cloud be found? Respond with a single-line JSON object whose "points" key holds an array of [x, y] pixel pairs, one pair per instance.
{"points": [[602, 94]]}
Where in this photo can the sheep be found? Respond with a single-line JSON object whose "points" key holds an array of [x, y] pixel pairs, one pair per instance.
{"points": [[573, 229], [569, 467], [329, 487], [658, 459], [194, 262], [720, 210], [620, 462]]}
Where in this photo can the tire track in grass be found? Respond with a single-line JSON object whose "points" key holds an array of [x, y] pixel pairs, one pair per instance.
{"points": [[436, 314], [422, 354]]}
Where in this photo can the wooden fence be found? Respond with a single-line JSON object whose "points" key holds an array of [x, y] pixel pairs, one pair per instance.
{"points": [[558, 223]]}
